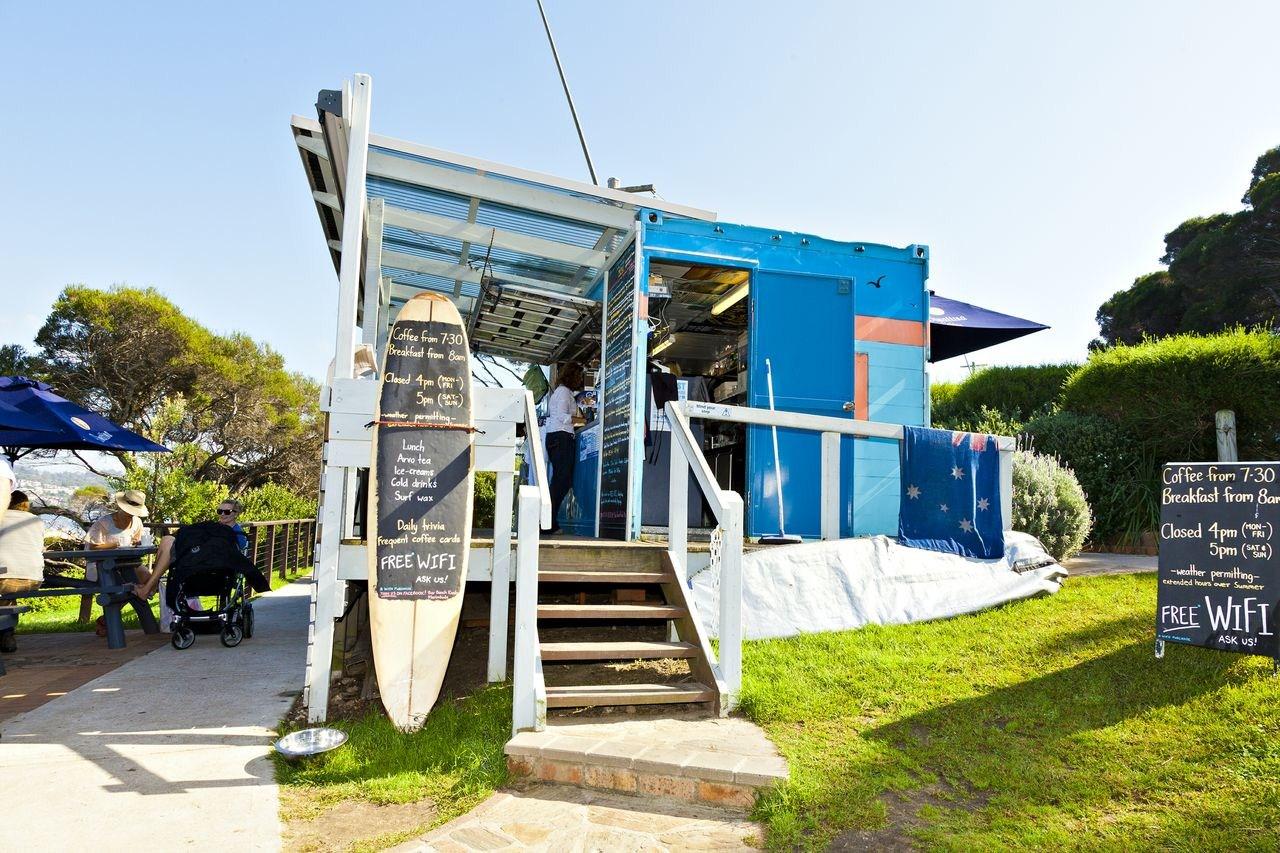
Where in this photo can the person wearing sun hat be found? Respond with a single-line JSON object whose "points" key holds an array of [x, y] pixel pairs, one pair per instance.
{"points": [[119, 529]]}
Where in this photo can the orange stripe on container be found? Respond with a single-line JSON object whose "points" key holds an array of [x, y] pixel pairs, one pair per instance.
{"points": [[886, 331], [861, 385]]}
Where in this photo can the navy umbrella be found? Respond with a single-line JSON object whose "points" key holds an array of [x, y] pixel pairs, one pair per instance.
{"points": [[14, 418], [956, 328], [60, 424]]}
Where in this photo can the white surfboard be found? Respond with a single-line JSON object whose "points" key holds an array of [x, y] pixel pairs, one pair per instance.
{"points": [[420, 492]]}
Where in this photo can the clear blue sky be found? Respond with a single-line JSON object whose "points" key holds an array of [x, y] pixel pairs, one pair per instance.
{"points": [[1041, 150]]}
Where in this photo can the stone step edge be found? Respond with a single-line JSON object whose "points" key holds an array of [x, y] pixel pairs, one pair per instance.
{"points": [[751, 771], [725, 795]]}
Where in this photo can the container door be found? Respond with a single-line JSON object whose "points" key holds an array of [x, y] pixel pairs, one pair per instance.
{"points": [[804, 325]]}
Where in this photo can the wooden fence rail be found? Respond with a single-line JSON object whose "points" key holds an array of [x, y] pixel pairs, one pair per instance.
{"points": [[276, 547]]}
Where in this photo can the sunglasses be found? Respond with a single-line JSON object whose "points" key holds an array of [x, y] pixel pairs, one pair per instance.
{"points": [[226, 512]]}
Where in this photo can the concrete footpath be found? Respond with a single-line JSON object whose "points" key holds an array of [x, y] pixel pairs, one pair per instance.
{"points": [[170, 751]]}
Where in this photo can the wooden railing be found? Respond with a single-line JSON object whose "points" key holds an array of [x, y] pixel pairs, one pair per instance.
{"points": [[282, 548]]}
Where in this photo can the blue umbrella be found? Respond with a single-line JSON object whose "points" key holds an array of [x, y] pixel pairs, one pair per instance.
{"points": [[956, 328], [61, 424], [14, 418]]}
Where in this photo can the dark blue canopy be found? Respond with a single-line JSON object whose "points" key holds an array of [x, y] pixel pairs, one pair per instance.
{"points": [[14, 418], [61, 424], [956, 328]]}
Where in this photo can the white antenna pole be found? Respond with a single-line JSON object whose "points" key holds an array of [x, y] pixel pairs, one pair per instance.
{"points": [[777, 462]]}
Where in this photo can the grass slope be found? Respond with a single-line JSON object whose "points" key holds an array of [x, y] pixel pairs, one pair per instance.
{"points": [[1043, 723], [455, 759]]}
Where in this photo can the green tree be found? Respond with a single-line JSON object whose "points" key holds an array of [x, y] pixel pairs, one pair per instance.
{"points": [[1224, 271], [13, 360], [225, 403]]}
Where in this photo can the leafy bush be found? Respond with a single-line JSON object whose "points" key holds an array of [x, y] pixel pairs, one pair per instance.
{"points": [[1118, 478], [987, 420], [1164, 393], [482, 500], [1049, 504], [273, 502], [1018, 392]]}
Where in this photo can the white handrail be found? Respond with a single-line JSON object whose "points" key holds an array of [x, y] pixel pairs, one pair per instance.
{"points": [[529, 691], [727, 508], [533, 435], [529, 702]]}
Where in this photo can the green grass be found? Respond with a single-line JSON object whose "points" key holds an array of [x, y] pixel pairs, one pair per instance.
{"points": [[59, 614], [1041, 724], [455, 760]]}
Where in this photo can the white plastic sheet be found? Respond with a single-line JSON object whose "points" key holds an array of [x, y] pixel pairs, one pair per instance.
{"points": [[834, 586]]}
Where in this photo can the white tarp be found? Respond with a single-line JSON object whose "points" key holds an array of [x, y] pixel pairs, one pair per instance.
{"points": [[834, 586]]}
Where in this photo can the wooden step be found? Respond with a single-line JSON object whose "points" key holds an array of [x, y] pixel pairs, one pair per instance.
{"points": [[609, 611], [587, 695], [562, 576], [616, 651]]}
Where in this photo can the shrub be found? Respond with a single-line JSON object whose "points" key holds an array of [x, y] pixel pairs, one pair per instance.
{"points": [[1164, 393], [987, 420], [273, 502], [1049, 504], [1118, 478], [482, 500], [1018, 392]]}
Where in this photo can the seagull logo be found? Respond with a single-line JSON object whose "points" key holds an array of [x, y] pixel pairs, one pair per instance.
{"points": [[876, 282]]}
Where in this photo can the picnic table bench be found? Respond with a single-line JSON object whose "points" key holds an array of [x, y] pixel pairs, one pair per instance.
{"points": [[9, 621], [110, 590]]}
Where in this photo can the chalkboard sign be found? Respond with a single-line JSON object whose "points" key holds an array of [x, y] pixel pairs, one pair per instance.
{"points": [[617, 412], [1218, 580], [423, 471]]}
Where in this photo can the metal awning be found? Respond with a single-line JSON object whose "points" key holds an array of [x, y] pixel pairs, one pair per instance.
{"points": [[516, 250]]}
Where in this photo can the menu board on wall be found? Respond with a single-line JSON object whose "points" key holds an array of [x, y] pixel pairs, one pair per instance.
{"points": [[621, 310], [423, 467], [1218, 579]]}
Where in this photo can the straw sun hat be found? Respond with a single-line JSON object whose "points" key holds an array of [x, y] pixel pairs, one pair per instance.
{"points": [[131, 501]]}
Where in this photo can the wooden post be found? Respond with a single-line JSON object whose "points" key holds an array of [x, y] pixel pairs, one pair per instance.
{"points": [[830, 486], [285, 565], [271, 551], [731, 600], [1225, 420], [500, 588]]}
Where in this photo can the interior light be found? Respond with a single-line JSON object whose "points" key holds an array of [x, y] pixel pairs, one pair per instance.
{"points": [[731, 299], [663, 344]]}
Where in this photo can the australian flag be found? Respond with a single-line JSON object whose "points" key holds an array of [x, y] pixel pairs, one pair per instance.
{"points": [[951, 493]]}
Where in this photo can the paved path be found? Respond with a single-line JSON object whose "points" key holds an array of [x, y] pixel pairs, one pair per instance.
{"points": [[47, 666], [1086, 564], [170, 751], [556, 818]]}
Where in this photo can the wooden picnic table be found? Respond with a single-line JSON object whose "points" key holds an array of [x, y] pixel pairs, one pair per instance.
{"points": [[111, 591]]}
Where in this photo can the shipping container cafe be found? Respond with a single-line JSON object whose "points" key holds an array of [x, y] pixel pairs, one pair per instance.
{"points": [[547, 271]]}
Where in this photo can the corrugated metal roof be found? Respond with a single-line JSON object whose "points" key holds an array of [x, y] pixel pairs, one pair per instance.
{"points": [[514, 291]]}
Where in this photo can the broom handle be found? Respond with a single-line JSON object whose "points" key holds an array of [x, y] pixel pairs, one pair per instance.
{"points": [[777, 463]]}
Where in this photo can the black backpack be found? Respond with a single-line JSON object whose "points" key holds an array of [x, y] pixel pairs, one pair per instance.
{"points": [[211, 545]]}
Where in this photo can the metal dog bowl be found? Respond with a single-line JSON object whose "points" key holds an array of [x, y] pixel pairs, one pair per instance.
{"points": [[309, 742]]}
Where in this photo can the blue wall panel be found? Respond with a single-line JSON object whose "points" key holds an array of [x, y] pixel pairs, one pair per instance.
{"points": [[805, 292]]}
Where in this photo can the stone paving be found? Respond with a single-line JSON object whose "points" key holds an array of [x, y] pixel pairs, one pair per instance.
{"points": [[713, 761], [552, 817]]}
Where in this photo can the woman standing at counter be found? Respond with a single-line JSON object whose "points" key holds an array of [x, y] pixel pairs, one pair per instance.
{"points": [[561, 449]]}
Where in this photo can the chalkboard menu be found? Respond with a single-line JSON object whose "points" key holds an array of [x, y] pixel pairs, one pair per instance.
{"points": [[423, 471], [621, 307], [1218, 581]]}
